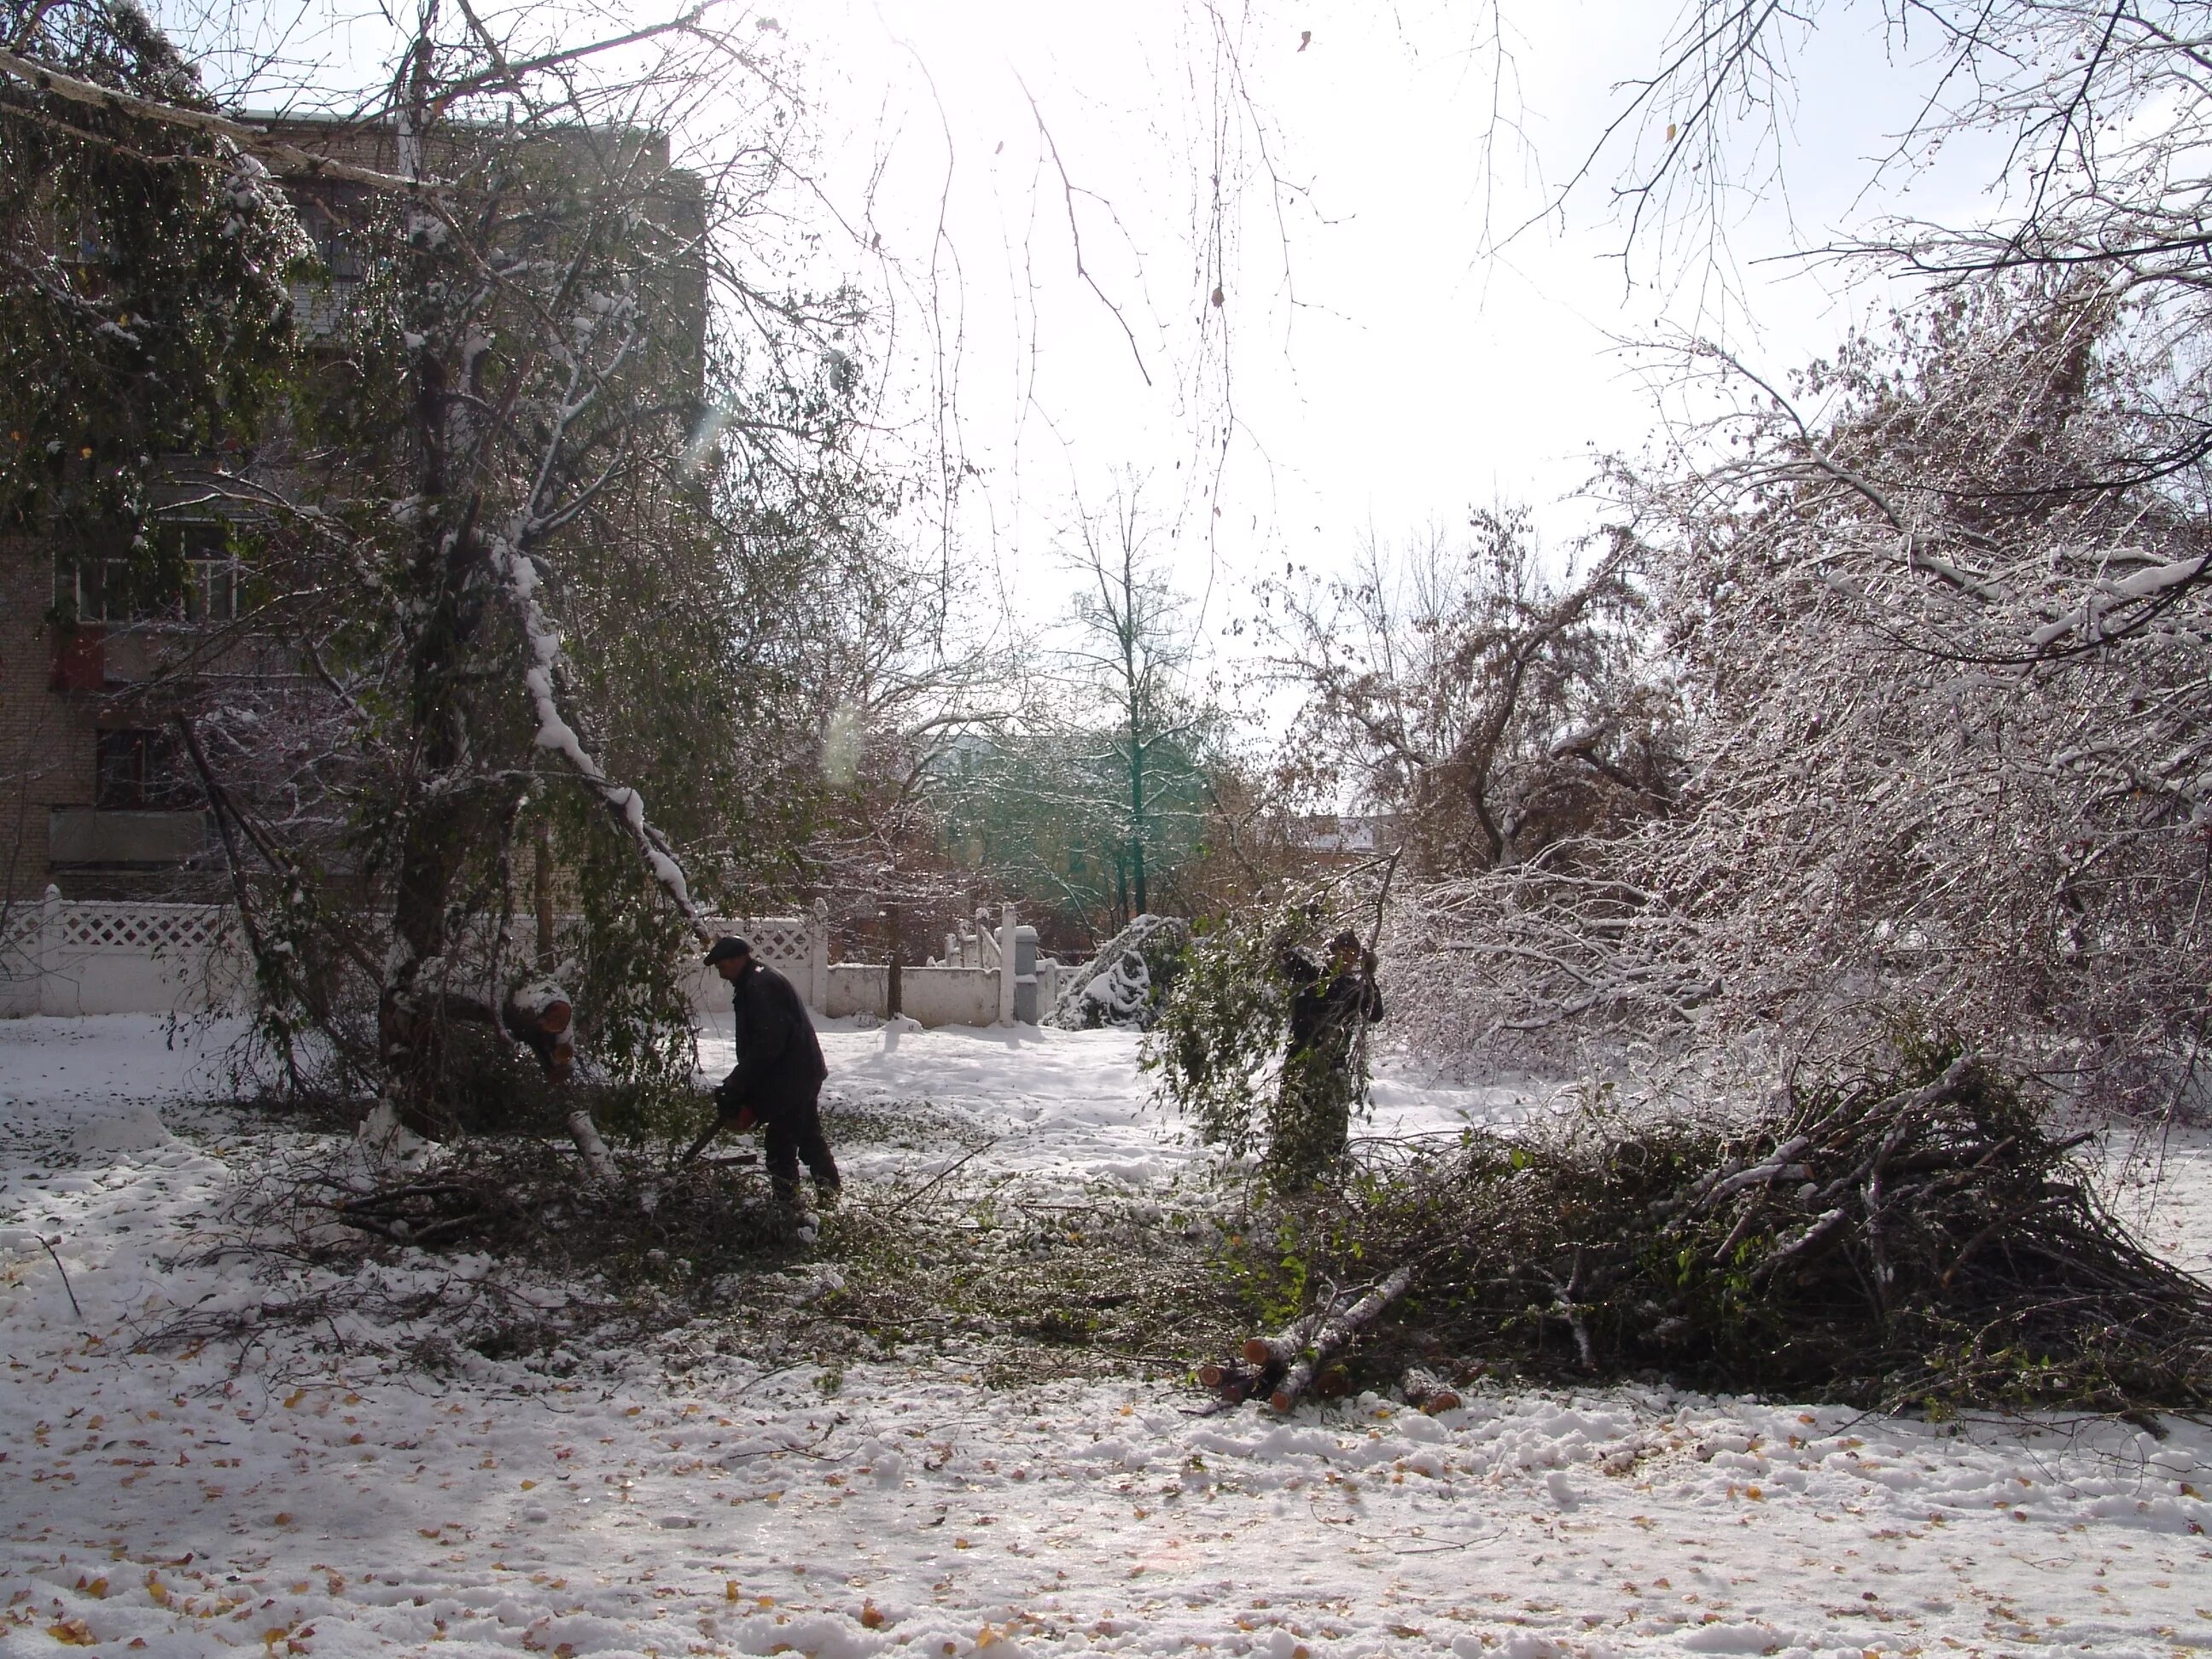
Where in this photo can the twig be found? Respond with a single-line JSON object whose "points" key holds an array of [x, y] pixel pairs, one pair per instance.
{"points": [[49, 1246]]}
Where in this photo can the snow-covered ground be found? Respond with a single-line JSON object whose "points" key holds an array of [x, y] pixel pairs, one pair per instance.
{"points": [[312, 1503]]}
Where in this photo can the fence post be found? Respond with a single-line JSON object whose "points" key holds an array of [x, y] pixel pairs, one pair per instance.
{"points": [[50, 947], [817, 959], [1005, 964]]}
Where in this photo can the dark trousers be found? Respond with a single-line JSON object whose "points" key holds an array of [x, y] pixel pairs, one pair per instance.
{"points": [[793, 1132]]}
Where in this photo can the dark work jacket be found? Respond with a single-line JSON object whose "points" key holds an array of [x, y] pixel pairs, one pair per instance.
{"points": [[1326, 1012], [780, 1062]]}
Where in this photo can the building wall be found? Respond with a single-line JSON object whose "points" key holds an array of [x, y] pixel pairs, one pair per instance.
{"points": [[46, 737]]}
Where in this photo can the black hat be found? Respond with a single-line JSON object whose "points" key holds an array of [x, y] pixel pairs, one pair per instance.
{"points": [[726, 947]]}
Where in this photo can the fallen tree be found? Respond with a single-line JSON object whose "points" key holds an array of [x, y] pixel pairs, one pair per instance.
{"points": [[1917, 1239]]}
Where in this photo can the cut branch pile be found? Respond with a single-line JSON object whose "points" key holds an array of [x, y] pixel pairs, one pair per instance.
{"points": [[1917, 1239], [429, 1213], [521, 1197]]}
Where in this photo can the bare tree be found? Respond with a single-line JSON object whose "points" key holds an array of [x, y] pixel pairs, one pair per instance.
{"points": [[1490, 708]]}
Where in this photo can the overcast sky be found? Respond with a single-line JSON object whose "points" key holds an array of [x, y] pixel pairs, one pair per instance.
{"points": [[1385, 354], [1379, 360]]}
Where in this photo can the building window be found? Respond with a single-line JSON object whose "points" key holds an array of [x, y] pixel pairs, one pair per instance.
{"points": [[192, 578], [143, 771]]}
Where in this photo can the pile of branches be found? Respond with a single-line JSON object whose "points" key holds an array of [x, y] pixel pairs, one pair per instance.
{"points": [[526, 1198], [1917, 1239]]}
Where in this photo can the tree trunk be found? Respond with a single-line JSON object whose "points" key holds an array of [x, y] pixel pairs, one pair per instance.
{"points": [[548, 957], [894, 988], [1137, 815]]}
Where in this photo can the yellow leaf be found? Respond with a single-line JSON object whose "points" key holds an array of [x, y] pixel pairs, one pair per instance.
{"points": [[292, 1400], [1670, 132], [71, 1633], [730, 1590], [871, 1616]]}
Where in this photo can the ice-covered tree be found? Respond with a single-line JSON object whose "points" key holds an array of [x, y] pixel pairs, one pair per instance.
{"points": [[1948, 755]]}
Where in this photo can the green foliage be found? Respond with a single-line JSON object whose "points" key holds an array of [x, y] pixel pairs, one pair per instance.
{"points": [[1217, 1048], [1219, 1045], [635, 1018], [145, 312]]}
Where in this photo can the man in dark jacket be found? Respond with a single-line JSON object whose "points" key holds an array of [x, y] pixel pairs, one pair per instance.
{"points": [[1324, 1066], [778, 1075]]}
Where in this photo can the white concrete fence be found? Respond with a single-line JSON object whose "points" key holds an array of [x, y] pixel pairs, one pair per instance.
{"points": [[71, 958], [64, 957]]}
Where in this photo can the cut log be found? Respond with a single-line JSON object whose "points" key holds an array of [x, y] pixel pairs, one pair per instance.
{"points": [[1233, 1381], [1426, 1392], [1334, 1332], [586, 1134], [1284, 1347]]}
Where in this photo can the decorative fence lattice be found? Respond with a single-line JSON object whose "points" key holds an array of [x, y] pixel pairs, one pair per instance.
{"points": [[59, 957], [151, 927], [19, 930], [798, 947], [782, 942]]}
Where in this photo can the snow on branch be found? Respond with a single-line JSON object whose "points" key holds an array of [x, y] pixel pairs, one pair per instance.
{"points": [[251, 139], [2145, 586], [519, 572]]}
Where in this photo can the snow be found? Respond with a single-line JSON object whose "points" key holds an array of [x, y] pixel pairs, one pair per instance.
{"points": [[307, 1500], [523, 581], [2125, 590]]}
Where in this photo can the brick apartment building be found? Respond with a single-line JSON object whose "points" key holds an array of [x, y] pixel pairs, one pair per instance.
{"points": [[96, 795], [92, 796]]}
